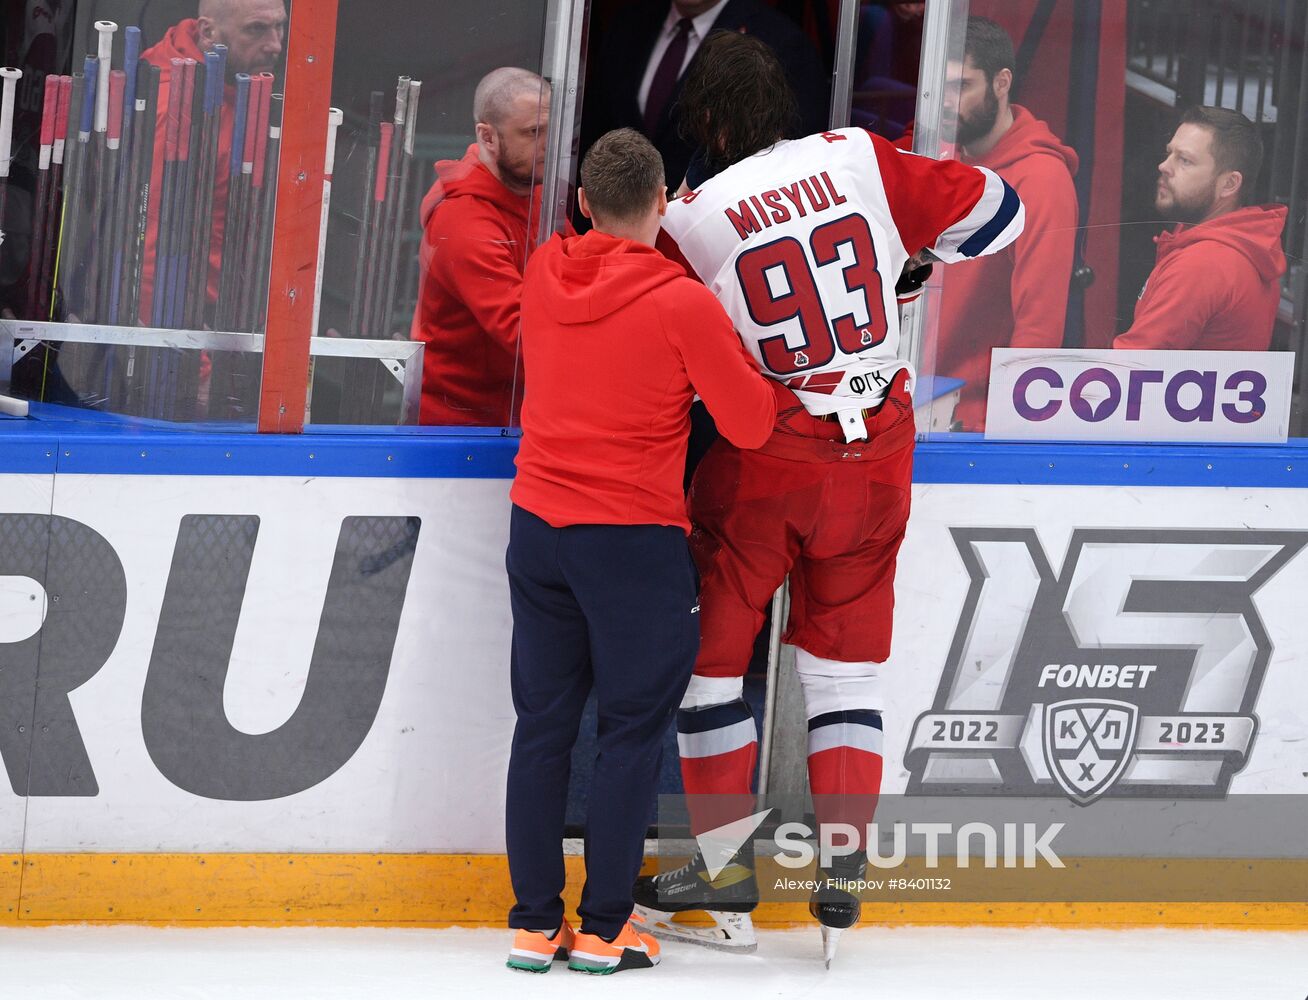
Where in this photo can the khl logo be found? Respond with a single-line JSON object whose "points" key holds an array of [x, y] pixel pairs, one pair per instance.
{"points": [[1134, 671]]}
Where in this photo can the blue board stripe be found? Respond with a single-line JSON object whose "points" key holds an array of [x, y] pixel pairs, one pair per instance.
{"points": [[422, 453]]}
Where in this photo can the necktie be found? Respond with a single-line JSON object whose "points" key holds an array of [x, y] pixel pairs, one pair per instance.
{"points": [[665, 77]]}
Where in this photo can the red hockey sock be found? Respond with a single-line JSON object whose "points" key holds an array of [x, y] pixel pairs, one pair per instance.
{"points": [[719, 749], [844, 767]]}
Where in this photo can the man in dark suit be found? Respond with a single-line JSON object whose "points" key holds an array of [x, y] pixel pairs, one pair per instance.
{"points": [[642, 58]]}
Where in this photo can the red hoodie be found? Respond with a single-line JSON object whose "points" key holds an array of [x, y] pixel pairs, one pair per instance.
{"points": [[1215, 286], [474, 249], [617, 340], [1017, 297], [181, 42]]}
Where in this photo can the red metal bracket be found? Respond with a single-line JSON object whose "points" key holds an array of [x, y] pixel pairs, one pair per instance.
{"points": [[310, 48]]}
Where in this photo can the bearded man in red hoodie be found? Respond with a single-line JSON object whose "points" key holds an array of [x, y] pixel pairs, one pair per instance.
{"points": [[477, 234], [254, 32], [1017, 297], [1217, 281]]}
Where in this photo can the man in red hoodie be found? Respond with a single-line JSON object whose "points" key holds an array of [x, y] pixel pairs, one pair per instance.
{"points": [[254, 32], [1216, 283], [477, 233], [617, 340], [1017, 297]]}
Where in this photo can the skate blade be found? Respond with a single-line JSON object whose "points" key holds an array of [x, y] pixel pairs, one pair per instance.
{"points": [[732, 932], [830, 940]]}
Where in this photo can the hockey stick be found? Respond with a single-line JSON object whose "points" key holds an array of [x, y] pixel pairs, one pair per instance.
{"points": [[223, 320], [49, 240], [83, 105], [273, 159], [180, 202], [143, 153], [122, 181], [10, 76], [108, 236], [334, 118], [379, 319], [266, 175], [357, 320], [402, 198], [198, 270], [371, 292], [41, 208], [99, 174], [164, 222]]}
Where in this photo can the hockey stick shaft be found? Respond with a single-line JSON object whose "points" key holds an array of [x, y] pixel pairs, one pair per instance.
{"points": [[83, 105], [229, 251], [357, 319], [41, 207], [402, 196]]}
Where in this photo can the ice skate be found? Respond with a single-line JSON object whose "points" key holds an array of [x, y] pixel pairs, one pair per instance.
{"points": [[727, 900], [835, 907]]}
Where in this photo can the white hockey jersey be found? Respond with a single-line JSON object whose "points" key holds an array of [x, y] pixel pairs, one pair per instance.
{"points": [[803, 243]]}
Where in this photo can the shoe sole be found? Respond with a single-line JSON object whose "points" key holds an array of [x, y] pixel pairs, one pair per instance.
{"points": [[629, 960], [526, 965]]}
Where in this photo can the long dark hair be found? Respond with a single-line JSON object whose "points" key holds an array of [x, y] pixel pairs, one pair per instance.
{"points": [[736, 100]]}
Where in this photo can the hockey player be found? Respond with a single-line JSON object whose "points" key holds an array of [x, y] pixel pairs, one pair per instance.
{"points": [[802, 241]]}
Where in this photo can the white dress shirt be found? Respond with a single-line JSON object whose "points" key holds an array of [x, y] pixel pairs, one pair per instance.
{"points": [[699, 29]]}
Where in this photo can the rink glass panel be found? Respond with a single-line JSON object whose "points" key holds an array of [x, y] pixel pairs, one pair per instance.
{"points": [[1110, 82], [135, 279], [373, 268]]}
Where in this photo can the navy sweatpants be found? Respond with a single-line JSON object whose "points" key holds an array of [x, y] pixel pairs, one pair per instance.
{"points": [[608, 607]]}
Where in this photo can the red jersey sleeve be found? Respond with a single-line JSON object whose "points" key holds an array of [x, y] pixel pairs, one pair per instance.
{"points": [[955, 210]]}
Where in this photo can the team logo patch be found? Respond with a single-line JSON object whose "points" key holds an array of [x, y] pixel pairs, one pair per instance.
{"points": [[1088, 743]]}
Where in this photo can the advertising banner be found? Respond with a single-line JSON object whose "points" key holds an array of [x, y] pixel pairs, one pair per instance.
{"points": [[220, 664], [1083, 395]]}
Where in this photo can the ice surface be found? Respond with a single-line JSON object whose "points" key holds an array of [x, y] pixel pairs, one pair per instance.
{"points": [[935, 963]]}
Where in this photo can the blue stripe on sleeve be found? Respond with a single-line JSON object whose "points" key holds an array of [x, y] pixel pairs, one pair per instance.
{"points": [[983, 237]]}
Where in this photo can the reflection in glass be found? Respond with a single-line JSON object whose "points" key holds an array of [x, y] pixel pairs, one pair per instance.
{"points": [[425, 243], [1157, 222], [1018, 297], [154, 185]]}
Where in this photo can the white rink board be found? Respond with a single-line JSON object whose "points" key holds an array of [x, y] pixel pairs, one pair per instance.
{"points": [[21, 494], [429, 774], [932, 587]]}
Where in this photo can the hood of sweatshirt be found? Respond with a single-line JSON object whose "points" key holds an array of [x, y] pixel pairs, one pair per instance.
{"points": [[1254, 231], [179, 42], [597, 274], [469, 178], [1029, 136]]}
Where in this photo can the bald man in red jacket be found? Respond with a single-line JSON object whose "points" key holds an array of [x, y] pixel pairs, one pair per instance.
{"points": [[478, 230]]}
